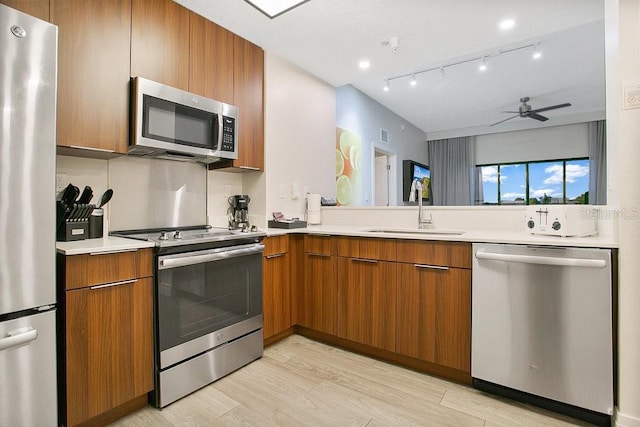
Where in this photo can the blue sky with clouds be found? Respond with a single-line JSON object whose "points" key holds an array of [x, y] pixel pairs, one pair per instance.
{"points": [[544, 178]]}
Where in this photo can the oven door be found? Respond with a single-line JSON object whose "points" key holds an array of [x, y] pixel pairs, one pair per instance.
{"points": [[207, 298]]}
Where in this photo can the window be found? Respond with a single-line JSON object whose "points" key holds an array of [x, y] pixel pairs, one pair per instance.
{"points": [[547, 182]]}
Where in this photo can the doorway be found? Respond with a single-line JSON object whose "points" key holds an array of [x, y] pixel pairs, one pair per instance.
{"points": [[384, 178]]}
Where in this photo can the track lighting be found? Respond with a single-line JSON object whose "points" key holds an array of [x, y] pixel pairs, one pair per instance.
{"points": [[482, 67]]}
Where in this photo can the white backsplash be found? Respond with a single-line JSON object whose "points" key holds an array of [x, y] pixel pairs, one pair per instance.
{"points": [[485, 218], [220, 186], [147, 191]]}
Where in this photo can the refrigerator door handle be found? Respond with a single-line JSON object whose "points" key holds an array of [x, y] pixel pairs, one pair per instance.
{"points": [[18, 337]]}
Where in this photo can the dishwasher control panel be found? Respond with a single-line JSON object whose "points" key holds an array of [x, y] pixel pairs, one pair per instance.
{"points": [[561, 220]]}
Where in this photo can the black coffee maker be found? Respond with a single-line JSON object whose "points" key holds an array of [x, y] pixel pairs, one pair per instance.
{"points": [[239, 211]]}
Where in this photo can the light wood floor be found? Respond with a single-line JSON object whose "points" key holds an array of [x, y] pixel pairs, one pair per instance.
{"points": [[300, 382]]}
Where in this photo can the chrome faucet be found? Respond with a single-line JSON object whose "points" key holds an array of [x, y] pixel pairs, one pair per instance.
{"points": [[416, 188]]}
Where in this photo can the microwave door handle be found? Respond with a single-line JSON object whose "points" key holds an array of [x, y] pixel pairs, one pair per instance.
{"points": [[165, 264], [220, 129]]}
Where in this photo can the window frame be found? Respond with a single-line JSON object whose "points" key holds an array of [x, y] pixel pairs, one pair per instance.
{"points": [[527, 185]]}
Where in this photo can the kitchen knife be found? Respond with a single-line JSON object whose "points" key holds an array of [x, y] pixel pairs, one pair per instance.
{"points": [[72, 213], [86, 195], [71, 194], [82, 208], [65, 195]]}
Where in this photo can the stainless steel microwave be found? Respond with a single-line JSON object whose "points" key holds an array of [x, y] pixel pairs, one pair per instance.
{"points": [[173, 124]]}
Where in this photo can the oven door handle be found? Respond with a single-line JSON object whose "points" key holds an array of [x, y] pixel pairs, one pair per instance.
{"points": [[191, 259]]}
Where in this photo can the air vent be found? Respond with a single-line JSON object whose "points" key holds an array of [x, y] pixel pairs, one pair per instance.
{"points": [[384, 136]]}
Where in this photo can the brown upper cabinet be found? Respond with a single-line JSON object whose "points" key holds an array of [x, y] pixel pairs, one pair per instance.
{"points": [[211, 58], [93, 73], [102, 44], [160, 42], [248, 84], [37, 8]]}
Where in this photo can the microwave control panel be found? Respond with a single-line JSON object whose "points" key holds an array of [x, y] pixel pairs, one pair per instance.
{"points": [[228, 133]]}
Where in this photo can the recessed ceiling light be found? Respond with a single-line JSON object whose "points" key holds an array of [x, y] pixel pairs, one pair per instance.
{"points": [[413, 81], [537, 54], [364, 64], [273, 8], [507, 24], [386, 86], [483, 66]]}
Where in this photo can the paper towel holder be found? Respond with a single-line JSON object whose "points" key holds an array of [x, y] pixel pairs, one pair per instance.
{"points": [[313, 208]]}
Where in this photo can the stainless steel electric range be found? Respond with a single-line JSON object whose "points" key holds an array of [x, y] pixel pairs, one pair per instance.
{"points": [[208, 305]]}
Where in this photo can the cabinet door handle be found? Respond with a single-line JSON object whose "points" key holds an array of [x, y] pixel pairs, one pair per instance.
{"points": [[275, 256], [115, 251], [320, 255], [430, 267], [108, 285], [370, 261], [102, 150]]}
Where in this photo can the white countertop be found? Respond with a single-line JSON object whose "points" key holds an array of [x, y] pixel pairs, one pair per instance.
{"points": [[104, 244], [473, 236]]}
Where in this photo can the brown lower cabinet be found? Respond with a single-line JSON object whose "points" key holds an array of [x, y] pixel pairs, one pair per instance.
{"points": [[277, 307], [406, 301], [434, 315], [107, 335], [367, 302], [318, 297]]}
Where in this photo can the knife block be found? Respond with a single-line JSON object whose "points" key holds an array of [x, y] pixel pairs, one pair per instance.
{"points": [[72, 221], [72, 230]]}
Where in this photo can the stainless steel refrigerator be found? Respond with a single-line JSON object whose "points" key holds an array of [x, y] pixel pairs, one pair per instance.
{"points": [[28, 69]]}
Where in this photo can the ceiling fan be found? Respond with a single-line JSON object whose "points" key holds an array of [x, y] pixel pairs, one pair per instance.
{"points": [[526, 111]]}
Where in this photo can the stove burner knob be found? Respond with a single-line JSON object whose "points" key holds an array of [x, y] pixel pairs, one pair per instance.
{"points": [[531, 223], [177, 235], [163, 236], [556, 225], [254, 228]]}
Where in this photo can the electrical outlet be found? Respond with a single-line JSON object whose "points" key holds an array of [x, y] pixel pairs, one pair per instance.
{"points": [[61, 181], [227, 190]]}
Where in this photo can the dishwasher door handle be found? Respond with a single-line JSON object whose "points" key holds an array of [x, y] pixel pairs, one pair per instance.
{"points": [[542, 260]]}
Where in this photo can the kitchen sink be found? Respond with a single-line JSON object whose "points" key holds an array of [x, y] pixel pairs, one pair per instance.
{"points": [[425, 231]]}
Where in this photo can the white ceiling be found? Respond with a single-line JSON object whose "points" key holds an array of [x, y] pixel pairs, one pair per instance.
{"points": [[328, 38]]}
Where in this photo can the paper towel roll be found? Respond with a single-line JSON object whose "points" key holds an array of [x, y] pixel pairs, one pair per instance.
{"points": [[313, 208], [313, 218]]}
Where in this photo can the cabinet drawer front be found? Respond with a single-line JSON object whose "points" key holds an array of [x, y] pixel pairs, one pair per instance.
{"points": [[276, 245], [88, 270], [321, 245], [367, 248], [451, 254]]}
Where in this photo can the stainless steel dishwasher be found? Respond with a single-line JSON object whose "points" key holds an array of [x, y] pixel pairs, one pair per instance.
{"points": [[542, 327]]}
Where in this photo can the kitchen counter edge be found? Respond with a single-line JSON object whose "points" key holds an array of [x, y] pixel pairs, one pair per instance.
{"points": [[472, 236], [104, 244]]}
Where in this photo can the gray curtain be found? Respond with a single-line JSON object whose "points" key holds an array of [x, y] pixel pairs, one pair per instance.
{"points": [[597, 134], [453, 176]]}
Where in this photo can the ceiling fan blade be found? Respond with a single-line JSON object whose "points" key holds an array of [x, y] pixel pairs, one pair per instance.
{"points": [[552, 107], [536, 116], [512, 112], [502, 121]]}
